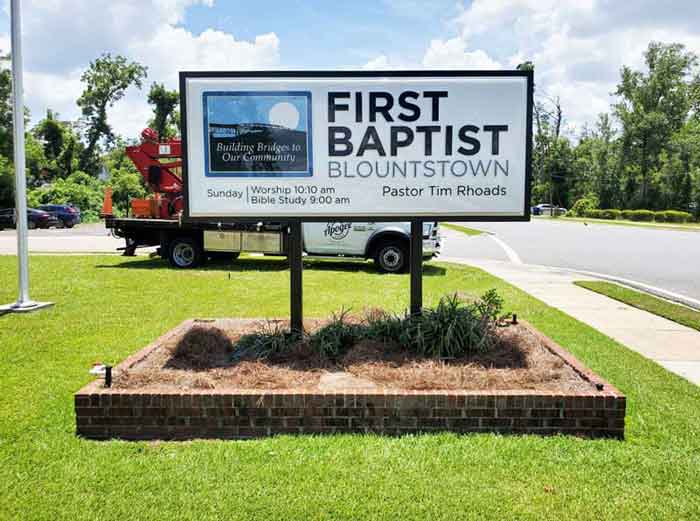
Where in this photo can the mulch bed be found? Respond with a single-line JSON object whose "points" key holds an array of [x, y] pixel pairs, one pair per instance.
{"points": [[201, 355]]}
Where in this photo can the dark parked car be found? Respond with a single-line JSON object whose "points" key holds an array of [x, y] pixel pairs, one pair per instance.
{"points": [[35, 219], [547, 209], [68, 215]]}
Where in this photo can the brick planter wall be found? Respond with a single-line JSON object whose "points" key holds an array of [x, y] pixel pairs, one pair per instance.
{"points": [[139, 415], [103, 414]]}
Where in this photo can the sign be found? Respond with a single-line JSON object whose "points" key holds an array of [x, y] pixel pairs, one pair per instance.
{"points": [[340, 146]]}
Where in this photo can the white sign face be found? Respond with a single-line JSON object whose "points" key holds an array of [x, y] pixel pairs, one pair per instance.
{"points": [[319, 145]]}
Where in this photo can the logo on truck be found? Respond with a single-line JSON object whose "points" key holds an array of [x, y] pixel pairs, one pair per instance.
{"points": [[257, 134], [337, 231]]}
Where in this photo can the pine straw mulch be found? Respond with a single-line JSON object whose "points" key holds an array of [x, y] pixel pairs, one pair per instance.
{"points": [[201, 358]]}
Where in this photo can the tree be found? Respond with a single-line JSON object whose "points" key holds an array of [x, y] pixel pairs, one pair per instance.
{"points": [[551, 158], [52, 133], [653, 106], [165, 103], [6, 139], [106, 81], [126, 181], [7, 183]]}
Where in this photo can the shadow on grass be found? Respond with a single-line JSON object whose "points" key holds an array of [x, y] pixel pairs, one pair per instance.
{"points": [[267, 264]]}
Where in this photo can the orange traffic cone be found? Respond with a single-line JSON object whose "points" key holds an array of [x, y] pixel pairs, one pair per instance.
{"points": [[107, 204]]}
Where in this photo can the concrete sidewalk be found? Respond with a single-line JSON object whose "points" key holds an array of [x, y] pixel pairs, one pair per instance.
{"points": [[675, 347]]}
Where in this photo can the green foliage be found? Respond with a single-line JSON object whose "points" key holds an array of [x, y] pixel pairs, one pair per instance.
{"points": [[78, 189], [582, 206], [124, 178], [610, 214], [165, 103], [450, 329], [271, 339], [6, 139], [640, 215], [336, 337], [52, 132], [106, 82], [672, 216], [7, 183], [666, 216], [593, 213], [652, 107]]}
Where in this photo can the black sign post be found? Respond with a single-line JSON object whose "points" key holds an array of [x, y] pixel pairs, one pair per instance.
{"points": [[416, 261], [296, 267]]}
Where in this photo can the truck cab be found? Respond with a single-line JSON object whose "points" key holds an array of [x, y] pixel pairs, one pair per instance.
{"points": [[387, 243]]}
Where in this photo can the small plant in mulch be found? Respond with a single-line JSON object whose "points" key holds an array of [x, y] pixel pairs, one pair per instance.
{"points": [[270, 340], [337, 336], [451, 329]]}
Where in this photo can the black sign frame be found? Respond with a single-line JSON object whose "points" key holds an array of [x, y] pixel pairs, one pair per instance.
{"points": [[184, 75]]}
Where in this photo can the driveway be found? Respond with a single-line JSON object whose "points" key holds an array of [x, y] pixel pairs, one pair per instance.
{"points": [[667, 259], [84, 238]]}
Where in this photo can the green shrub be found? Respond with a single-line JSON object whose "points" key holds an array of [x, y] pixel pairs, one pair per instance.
{"points": [[336, 337], [383, 326], [610, 214], [583, 205], [452, 328], [672, 216], [593, 213], [269, 340], [79, 189], [641, 215]]}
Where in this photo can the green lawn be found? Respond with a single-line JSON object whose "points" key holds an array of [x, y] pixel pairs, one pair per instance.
{"points": [[677, 313], [107, 307], [463, 229]]}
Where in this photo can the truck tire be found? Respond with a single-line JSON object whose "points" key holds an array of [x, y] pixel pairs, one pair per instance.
{"points": [[392, 257], [185, 253]]}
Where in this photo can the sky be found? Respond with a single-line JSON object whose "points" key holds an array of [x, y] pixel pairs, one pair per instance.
{"points": [[578, 46]]}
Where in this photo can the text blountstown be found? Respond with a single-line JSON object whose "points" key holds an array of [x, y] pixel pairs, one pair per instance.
{"points": [[357, 145]]}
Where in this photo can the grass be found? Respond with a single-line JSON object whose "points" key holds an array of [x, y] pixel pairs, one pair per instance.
{"points": [[108, 307], [680, 314], [687, 227], [463, 229]]}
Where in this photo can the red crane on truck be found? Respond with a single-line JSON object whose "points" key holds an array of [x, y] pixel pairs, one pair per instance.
{"points": [[155, 220], [160, 164]]}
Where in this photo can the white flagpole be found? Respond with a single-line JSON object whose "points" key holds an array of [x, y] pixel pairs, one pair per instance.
{"points": [[24, 303]]}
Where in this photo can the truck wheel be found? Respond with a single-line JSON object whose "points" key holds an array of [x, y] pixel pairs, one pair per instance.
{"points": [[392, 257], [184, 252]]}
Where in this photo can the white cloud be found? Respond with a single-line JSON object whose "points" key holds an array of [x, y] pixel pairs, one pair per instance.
{"points": [[577, 46], [381, 62], [453, 54], [60, 37]]}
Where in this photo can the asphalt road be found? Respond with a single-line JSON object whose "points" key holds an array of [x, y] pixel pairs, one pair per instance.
{"points": [[84, 238], [667, 259]]}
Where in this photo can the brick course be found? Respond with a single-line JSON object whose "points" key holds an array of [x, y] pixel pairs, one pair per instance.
{"points": [[103, 413]]}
